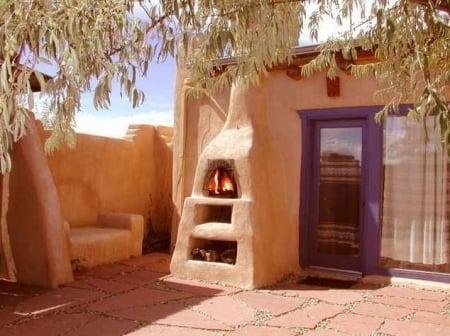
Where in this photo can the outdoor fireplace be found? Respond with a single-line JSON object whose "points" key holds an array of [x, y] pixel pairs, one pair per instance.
{"points": [[235, 218]]}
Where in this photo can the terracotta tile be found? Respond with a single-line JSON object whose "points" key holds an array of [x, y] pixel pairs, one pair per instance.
{"points": [[355, 324], [426, 317], [8, 316], [155, 262], [134, 298], [323, 332], [307, 317], [103, 326], [225, 309], [56, 299], [408, 328], [175, 314], [407, 292], [159, 330], [273, 304], [14, 288], [50, 325], [432, 306], [7, 300], [261, 331], [138, 278], [198, 288], [105, 271], [381, 310], [102, 285], [338, 296]]}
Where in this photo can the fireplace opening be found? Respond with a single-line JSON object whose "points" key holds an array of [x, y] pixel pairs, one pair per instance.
{"points": [[217, 251], [221, 183], [205, 213]]}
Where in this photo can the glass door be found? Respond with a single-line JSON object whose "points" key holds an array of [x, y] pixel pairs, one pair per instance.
{"points": [[336, 225]]}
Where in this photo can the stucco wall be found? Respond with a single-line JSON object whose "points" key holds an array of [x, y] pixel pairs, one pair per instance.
{"points": [[38, 241], [285, 97], [130, 175]]}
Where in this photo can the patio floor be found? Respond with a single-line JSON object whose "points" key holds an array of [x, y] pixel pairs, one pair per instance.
{"points": [[137, 297]]}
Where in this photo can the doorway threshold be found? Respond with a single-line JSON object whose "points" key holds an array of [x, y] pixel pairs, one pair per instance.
{"points": [[332, 273]]}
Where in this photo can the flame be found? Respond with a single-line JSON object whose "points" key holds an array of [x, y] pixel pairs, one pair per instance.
{"points": [[221, 183], [216, 182]]}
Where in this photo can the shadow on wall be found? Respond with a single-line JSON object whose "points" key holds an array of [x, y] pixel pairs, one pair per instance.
{"points": [[103, 175]]}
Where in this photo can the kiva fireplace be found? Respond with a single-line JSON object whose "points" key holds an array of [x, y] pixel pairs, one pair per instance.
{"points": [[232, 226]]}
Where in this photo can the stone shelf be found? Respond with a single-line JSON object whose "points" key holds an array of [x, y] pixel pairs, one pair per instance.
{"points": [[212, 267], [216, 231]]}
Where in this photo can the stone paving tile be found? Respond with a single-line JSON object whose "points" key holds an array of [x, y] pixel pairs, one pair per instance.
{"points": [[125, 297], [137, 297], [155, 262], [49, 325], [411, 303], [105, 271], [102, 285], [323, 332], [103, 326], [198, 288], [158, 330], [8, 316], [224, 309], [338, 296], [426, 317], [355, 324], [381, 310], [408, 328], [13, 300], [138, 277], [261, 331], [14, 288], [407, 292], [275, 305], [174, 314], [307, 317], [56, 299]]}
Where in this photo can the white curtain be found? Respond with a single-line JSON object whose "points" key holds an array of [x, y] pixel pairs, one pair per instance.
{"points": [[415, 221]]}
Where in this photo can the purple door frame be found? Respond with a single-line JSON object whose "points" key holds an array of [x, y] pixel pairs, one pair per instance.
{"points": [[371, 173], [371, 239]]}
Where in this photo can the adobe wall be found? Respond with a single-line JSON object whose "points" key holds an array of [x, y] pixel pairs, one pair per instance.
{"points": [[35, 224], [130, 175], [198, 122]]}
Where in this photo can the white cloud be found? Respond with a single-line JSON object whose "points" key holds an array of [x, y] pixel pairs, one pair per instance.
{"points": [[116, 126]]}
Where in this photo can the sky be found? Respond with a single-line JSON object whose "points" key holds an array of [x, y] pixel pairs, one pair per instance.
{"points": [[157, 109]]}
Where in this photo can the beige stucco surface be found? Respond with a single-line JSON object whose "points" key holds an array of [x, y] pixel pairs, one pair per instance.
{"points": [[115, 237], [102, 175], [35, 223], [282, 99]]}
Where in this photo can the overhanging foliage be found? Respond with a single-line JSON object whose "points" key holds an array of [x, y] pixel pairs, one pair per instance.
{"points": [[107, 40]]}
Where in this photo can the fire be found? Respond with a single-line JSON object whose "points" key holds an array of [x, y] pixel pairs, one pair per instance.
{"points": [[221, 183]]}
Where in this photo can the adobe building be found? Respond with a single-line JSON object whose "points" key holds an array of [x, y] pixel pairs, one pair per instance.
{"points": [[294, 175]]}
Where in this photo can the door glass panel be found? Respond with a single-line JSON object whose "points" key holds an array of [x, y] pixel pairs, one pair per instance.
{"points": [[339, 191]]}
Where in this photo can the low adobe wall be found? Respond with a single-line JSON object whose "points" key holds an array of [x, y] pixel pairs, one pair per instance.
{"points": [[130, 175]]}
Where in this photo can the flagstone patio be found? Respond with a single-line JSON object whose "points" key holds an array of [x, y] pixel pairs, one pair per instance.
{"points": [[138, 298]]}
